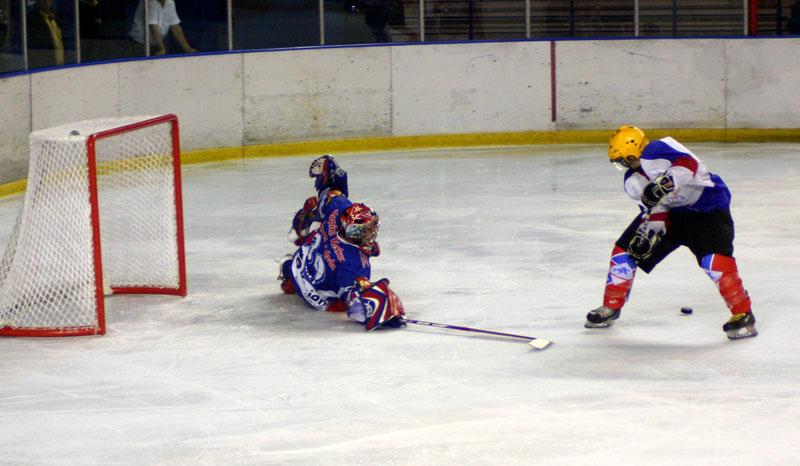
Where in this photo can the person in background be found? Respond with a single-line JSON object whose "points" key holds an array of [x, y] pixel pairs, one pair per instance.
{"points": [[793, 23], [91, 24], [45, 42], [379, 15], [681, 204], [162, 19], [8, 33]]}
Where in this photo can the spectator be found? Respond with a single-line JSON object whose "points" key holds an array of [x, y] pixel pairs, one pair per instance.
{"points": [[5, 24], [91, 23], [45, 43], [162, 18], [793, 23], [378, 14], [91, 18], [7, 32]]}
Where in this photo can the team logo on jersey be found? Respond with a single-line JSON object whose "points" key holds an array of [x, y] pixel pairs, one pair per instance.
{"points": [[319, 269]]}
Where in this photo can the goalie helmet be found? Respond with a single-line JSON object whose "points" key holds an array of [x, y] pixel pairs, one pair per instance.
{"points": [[359, 225], [628, 141]]}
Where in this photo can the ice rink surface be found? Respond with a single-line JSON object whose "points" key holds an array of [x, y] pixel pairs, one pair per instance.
{"points": [[509, 239]]}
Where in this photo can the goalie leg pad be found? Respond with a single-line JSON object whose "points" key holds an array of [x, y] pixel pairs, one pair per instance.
{"points": [[723, 272], [382, 307]]}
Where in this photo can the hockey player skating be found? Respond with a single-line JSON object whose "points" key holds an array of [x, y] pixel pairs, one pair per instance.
{"points": [[331, 269], [682, 204]]}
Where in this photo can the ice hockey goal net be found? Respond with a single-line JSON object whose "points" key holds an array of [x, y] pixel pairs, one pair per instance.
{"points": [[102, 211]]}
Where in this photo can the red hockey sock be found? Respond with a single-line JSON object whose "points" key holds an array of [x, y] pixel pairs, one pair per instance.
{"points": [[337, 306], [723, 271], [621, 272], [287, 286]]}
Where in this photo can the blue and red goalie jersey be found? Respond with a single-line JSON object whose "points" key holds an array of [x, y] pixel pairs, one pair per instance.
{"points": [[325, 267]]}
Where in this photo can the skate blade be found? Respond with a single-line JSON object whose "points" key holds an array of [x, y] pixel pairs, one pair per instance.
{"points": [[600, 325], [745, 332]]}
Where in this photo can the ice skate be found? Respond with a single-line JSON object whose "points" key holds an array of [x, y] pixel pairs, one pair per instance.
{"points": [[601, 317], [741, 325]]}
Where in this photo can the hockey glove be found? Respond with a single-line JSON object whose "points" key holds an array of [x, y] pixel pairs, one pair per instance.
{"points": [[382, 307], [648, 235], [656, 190], [301, 223], [328, 174]]}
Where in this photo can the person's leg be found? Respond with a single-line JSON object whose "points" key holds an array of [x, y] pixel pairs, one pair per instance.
{"points": [[712, 244], [621, 273]]}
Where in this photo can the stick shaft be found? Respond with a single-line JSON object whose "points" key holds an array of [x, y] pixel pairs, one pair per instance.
{"points": [[466, 329]]}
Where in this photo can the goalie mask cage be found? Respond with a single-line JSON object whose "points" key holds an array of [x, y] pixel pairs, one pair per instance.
{"points": [[102, 207]]}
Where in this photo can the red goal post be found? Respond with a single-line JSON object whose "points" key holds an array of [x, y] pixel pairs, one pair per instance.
{"points": [[102, 214]]}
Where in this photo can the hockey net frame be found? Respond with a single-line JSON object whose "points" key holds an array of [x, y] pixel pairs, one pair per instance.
{"points": [[93, 169]]}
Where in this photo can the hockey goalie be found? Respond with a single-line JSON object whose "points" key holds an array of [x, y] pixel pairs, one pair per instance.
{"points": [[330, 270]]}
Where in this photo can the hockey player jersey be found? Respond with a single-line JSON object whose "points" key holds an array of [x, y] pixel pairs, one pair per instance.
{"points": [[696, 189], [325, 268]]}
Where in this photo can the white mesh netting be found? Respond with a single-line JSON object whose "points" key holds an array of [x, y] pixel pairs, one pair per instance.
{"points": [[47, 274]]}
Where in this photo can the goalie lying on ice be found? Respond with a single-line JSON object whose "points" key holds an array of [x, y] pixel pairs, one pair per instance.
{"points": [[330, 270]]}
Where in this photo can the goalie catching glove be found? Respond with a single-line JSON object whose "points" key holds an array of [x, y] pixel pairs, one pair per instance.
{"points": [[303, 219], [375, 304], [328, 174]]}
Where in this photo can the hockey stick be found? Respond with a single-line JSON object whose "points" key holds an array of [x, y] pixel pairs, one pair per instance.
{"points": [[538, 343]]}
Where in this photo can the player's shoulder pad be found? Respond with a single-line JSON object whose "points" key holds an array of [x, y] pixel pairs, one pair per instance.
{"points": [[661, 149], [655, 149]]}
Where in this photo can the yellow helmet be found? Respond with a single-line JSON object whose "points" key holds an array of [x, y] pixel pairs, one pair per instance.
{"points": [[627, 141]]}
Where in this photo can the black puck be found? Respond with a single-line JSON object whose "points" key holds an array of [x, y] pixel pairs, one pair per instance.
{"points": [[686, 310]]}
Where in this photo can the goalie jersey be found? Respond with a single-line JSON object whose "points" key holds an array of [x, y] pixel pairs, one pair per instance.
{"points": [[696, 189], [325, 268]]}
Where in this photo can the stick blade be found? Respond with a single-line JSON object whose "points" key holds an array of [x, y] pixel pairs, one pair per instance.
{"points": [[540, 343]]}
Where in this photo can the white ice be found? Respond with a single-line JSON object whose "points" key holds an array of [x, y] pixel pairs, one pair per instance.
{"points": [[509, 239]]}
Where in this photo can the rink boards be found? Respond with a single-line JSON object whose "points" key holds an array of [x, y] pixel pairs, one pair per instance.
{"points": [[231, 101]]}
